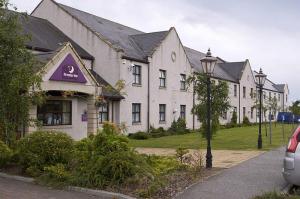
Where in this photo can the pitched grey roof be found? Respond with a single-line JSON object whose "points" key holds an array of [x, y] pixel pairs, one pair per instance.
{"points": [[235, 69], [135, 44], [280, 87], [220, 72], [108, 91], [46, 37]]}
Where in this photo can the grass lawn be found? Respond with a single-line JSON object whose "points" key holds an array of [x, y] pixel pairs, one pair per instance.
{"points": [[242, 138]]}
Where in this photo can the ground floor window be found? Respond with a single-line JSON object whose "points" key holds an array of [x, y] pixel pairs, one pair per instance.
{"points": [[252, 110], [224, 115], [55, 112], [182, 111], [136, 113], [103, 113], [162, 112]]}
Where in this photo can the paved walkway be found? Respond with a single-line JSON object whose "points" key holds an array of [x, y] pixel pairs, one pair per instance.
{"points": [[221, 158], [251, 178], [12, 189]]}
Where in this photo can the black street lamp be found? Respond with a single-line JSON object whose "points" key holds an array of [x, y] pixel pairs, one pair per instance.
{"points": [[208, 63], [260, 80]]}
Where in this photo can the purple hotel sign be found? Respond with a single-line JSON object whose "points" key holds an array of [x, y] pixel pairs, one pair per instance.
{"points": [[68, 71]]}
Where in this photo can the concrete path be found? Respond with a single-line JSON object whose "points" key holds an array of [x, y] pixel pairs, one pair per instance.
{"points": [[12, 189], [221, 158], [253, 177]]}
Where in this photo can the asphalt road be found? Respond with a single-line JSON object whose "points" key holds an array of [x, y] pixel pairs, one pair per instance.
{"points": [[251, 178], [12, 189]]}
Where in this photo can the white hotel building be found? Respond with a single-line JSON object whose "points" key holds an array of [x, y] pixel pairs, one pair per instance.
{"points": [[154, 65]]}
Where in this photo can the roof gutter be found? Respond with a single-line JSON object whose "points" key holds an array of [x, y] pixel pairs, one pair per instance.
{"points": [[134, 59]]}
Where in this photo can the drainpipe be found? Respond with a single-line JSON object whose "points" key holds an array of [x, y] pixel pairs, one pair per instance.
{"points": [[193, 105], [148, 100], [239, 103], [112, 111]]}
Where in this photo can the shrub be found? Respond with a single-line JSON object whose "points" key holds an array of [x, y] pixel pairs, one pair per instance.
{"points": [[246, 121], [106, 159], [159, 132], [5, 154], [180, 153], [233, 121], [42, 149], [178, 127], [55, 176], [139, 136]]}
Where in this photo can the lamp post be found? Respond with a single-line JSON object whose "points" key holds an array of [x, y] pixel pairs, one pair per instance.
{"points": [[260, 80], [208, 64]]}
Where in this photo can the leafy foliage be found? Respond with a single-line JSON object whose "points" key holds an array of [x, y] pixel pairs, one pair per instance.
{"points": [[17, 76], [178, 127], [140, 135], [295, 108], [246, 121], [180, 153], [5, 154], [106, 159], [42, 149], [233, 121], [219, 100]]}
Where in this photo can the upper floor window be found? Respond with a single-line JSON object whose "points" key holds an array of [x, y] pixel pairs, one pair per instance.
{"points": [[278, 96], [103, 113], [264, 95], [244, 92], [251, 93], [252, 110], [55, 113], [162, 78], [182, 82], [137, 74], [182, 111], [235, 90], [270, 95], [162, 112], [136, 113]]}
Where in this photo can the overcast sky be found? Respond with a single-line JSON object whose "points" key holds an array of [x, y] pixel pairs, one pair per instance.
{"points": [[267, 32]]}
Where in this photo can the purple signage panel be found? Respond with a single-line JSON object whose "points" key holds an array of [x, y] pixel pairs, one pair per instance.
{"points": [[68, 71]]}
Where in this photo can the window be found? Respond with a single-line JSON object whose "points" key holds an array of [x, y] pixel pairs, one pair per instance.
{"points": [[103, 113], [235, 90], [279, 97], [270, 95], [162, 78], [251, 93], [235, 109], [264, 95], [182, 111], [136, 113], [224, 115], [244, 112], [162, 112], [252, 109], [244, 92], [182, 82], [137, 75], [55, 113]]}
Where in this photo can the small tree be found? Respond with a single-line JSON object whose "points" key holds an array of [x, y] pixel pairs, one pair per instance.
{"points": [[18, 76], [219, 100], [233, 121], [295, 108]]}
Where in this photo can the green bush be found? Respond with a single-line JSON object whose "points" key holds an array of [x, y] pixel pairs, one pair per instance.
{"points": [[233, 121], [42, 149], [5, 154], [55, 176], [246, 121], [106, 159], [159, 132], [178, 127], [140, 135], [275, 195]]}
